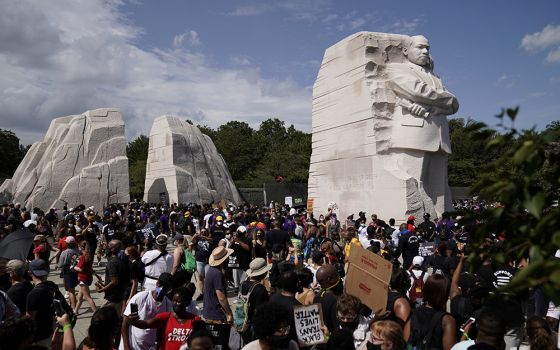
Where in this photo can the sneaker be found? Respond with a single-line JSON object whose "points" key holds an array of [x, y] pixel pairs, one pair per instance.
{"points": [[66, 295]]}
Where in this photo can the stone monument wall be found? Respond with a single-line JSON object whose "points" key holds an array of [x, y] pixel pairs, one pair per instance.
{"points": [[81, 160], [184, 166], [353, 117]]}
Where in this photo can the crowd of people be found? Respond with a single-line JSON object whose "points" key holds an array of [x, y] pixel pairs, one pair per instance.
{"points": [[220, 276]]}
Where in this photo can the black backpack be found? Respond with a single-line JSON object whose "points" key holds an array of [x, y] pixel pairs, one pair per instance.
{"points": [[426, 334]]}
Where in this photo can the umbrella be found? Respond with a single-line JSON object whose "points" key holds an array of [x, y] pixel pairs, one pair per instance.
{"points": [[16, 245]]}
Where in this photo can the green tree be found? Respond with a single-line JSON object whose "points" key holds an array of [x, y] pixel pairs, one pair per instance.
{"points": [[11, 153], [137, 153], [527, 217]]}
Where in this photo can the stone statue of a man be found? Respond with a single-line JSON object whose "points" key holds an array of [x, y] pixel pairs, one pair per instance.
{"points": [[420, 134]]}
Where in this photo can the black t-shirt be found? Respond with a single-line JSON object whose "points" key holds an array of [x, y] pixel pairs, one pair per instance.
{"points": [[213, 281], [40, 300], [260, 251], [242, 256], [276, 237], [218, 233], [201, 249], [109, 232], [328, 304], [496, 276], [18, 294], [116, 268], [288, 302], [258, 296], [137, 270]]}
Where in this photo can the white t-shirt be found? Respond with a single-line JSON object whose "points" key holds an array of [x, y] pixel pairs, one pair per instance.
{"points": [[464, 345], [161, 265], [148, 308], [255, 345]]}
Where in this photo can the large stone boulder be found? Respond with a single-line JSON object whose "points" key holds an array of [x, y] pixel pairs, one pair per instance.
{"points": [[380, 135], [184, 166], [81, 160]]}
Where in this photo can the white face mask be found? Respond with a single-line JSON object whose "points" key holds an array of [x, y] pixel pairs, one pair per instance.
{"points": [[228, 237]]}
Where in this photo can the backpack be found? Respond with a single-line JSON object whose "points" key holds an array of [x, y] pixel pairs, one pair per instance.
{"points": [[415, 291], [241, 312], [426, 334], [190, 262]]}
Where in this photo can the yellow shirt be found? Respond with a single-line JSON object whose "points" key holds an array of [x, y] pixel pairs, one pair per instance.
{"points": [[355, 242]]}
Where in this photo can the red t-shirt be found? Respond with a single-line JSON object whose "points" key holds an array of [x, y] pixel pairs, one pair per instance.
{"points": [[87, 269], [62, 244], [172, 334]]}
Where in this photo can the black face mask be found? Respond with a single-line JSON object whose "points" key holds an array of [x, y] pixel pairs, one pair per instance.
{"points": [[371, 346], [5, 279], [350, 325], [280, 341], [108, 253]]}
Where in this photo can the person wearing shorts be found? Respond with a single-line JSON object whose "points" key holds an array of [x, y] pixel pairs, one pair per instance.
{"points": [[202, 243], [69, 259], [84, 268]]}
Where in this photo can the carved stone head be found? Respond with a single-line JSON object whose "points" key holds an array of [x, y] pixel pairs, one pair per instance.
{"points": [[417, 50]]}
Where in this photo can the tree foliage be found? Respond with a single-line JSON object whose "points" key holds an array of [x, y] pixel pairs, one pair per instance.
{"points": [[11, 153], [527, 217], [258, 156], [137, 153]]}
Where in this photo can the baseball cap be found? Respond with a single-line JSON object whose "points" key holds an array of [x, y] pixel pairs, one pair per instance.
{"points": [[39, 267], [219, 218], [70, 239], [161, 240], [411, 218], [418, 261]]}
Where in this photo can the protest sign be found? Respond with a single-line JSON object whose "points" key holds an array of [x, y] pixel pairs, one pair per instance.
{"points": [[221, 333], [288, 201], [426, 249], [146, 234], [310, 202], [308, 321], [368, 278]]}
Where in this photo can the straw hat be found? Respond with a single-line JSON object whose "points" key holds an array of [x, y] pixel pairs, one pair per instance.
{"points": [[258, 267], [219, 255]]}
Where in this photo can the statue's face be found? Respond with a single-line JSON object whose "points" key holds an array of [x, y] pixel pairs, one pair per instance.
{"points": [[419, 52]]}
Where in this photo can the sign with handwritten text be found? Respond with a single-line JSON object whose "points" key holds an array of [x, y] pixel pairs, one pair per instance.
{"points": [[308, 321]]}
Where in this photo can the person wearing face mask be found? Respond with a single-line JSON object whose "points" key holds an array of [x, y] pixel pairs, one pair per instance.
{"points": [[384, 335], [218, 232], [271, 328], [173, 328], [150, 303], [348, 315], [331, 288]]}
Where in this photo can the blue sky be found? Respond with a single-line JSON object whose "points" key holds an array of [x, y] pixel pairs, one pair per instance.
{"points": [[214, 61]]}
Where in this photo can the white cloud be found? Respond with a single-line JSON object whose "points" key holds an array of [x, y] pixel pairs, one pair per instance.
{"points": [[544, 39], [553, 56], [187, 38], [506, 80], [357, 23], [547, 38], [248, 11], [405, 26], [65, 57], [241, 60]]}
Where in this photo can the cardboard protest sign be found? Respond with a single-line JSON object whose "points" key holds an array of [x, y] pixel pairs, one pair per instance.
{"points": [[221, 333], [310, 202], [427, 249], [368, 278], [308, 321]]}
